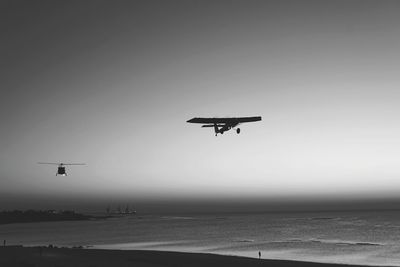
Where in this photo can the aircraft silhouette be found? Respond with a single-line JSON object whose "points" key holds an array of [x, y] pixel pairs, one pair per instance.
{"points": [[222, 125], [61, 167]]}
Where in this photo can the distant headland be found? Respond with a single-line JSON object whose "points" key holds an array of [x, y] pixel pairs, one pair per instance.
{"points": [[28, 216]]}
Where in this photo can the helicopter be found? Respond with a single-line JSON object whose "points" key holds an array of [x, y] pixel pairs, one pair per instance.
{"points": [[61, 167]]}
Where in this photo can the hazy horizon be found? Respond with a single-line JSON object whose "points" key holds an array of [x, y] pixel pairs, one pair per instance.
{"points": [[112, 84], [195, 205]]}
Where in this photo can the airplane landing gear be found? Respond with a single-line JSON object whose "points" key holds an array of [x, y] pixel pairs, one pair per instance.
{"points": [[238, 130]]}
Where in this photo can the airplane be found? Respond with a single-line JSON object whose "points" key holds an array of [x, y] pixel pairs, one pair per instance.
{"points": [[222, 125], [61, 167]]}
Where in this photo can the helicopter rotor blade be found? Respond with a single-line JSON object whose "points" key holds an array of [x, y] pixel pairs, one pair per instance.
{"points": [[51, 163], [73, 163]]}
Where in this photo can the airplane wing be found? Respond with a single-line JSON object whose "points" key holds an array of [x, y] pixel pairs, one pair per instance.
{"points": [[224, 120], [248, 119], [52, 163]]}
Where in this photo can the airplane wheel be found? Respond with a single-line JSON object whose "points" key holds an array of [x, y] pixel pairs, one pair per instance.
{"points": [[238, 130]]}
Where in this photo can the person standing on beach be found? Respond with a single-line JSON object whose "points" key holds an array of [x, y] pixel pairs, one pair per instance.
{"points": [[4, 243], [259, 254]]}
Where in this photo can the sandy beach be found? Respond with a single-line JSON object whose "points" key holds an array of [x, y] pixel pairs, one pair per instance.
{"points": [[65, 257]]}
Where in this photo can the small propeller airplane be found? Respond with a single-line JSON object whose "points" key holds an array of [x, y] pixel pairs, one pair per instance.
{"points": [[61, 167], [222, 125]]}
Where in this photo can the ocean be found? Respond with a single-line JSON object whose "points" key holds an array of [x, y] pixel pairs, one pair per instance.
{"points": [[351, 237]]}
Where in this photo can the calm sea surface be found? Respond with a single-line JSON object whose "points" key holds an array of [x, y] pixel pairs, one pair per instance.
{"points": [[371, 238]]}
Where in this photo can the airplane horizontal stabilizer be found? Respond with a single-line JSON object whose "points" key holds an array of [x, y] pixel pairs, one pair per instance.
{"points": [[212, 125]]}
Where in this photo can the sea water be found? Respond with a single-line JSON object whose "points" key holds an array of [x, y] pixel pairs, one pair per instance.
{"points": [[356, 237]]}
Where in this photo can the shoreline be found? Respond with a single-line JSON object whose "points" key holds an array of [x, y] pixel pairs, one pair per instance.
{"points": [[46, 256]]}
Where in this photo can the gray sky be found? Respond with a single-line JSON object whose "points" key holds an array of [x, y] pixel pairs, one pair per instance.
{"points": [[112, 83]]}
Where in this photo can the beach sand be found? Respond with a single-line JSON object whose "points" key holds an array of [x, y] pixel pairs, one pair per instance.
{"points": [[63, 257]]}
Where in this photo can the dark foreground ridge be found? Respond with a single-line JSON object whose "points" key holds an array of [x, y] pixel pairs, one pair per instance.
{"points": [[66, 257], [18, 216]]}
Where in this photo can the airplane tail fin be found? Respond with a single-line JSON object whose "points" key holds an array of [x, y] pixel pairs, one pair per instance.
{"points": [[216, 128]]}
